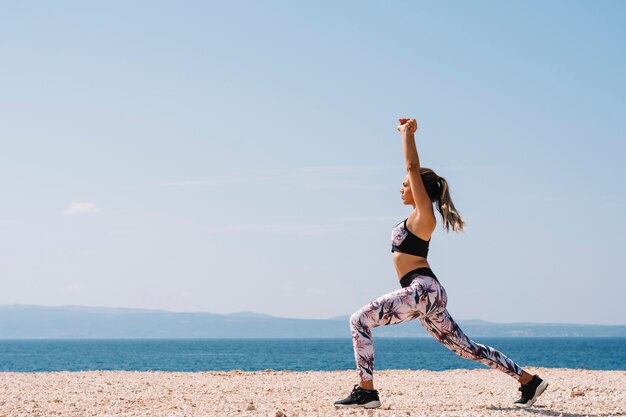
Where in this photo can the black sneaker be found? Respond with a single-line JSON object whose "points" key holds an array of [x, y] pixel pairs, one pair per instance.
{"points": [[530, 391], [360, 397]]}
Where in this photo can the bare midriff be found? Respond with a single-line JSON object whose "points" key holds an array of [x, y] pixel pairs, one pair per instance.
{"points": [[406, 263]]}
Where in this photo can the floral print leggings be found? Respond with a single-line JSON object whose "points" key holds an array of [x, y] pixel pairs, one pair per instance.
{"points": [[423, 299]]}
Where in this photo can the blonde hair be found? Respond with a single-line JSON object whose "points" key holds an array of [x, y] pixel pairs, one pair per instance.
{"points": [[439, 193]]}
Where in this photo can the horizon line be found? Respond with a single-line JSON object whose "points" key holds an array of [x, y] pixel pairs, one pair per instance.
{"points": [[338, 317]]}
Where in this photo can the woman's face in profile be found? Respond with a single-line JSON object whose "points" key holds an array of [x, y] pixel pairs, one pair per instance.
{"points": [[405, 191]]}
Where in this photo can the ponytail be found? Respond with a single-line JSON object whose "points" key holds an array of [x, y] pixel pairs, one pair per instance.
{"points": [[439, 192], [451, 217]]}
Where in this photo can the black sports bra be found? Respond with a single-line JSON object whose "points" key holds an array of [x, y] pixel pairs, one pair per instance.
{"points": [[403, 241]]}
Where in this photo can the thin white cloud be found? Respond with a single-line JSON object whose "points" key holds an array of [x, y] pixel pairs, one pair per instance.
{"points": [[300, 229], [340, 224], [467, 167], [539, 198], [349, 185], [8, 223], [74, 289], [80, 208], [315, 173], [372, 219]]}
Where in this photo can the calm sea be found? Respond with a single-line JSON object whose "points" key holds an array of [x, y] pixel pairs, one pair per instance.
{"points": [[295, 354]]}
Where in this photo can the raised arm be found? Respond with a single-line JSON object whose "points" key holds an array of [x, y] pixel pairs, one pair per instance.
{"points": [[422, 219]]}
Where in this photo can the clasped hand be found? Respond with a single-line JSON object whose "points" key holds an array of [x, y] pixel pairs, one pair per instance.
{"points": [[407, 126]]}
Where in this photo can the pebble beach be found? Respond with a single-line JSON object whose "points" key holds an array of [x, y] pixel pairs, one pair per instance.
{"points": [[572, 393]]}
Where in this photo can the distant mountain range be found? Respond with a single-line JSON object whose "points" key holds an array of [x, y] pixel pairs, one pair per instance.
{"points": [[74, 322]]}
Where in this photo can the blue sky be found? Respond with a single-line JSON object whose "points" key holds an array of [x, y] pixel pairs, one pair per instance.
{"points": [[242, 156]]}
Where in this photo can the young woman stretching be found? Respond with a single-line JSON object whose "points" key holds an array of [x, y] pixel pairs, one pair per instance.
{"points": [[422, 297]]}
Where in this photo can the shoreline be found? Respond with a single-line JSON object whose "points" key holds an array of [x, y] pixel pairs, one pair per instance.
{"points": [[460, 392]]}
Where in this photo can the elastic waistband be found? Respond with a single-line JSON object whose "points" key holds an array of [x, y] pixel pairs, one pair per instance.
{"points": [[406, 280]]}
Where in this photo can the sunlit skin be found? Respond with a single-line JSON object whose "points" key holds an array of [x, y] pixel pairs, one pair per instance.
{"points": [[405, 262], [406, 194], [421, 222]]}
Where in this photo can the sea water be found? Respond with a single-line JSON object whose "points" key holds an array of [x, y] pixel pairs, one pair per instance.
{"points": [[296, 354]]}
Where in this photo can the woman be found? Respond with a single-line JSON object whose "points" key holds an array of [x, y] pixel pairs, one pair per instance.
{"points": [[422, 297]]}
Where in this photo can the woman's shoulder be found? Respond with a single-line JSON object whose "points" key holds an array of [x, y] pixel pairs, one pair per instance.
{"points": [[421, 224]]}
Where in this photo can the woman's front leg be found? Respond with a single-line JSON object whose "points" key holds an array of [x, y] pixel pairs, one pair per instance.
{"points": [[392, 308]]}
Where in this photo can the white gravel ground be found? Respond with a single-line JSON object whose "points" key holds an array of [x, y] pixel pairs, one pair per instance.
{"points": [[572, 393]]}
